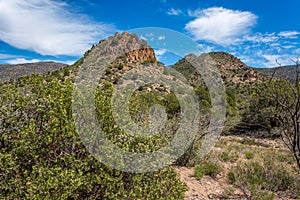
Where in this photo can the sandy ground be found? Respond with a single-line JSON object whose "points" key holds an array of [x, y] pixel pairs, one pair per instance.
{"points": [[215, 188], [206, 188]]}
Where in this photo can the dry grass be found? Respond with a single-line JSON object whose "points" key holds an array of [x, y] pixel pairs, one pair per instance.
{"points": [[249, 168]]}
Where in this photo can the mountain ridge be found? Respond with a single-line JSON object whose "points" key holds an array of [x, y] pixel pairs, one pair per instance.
{"points": [[8, 71], [231, 68], [283, 72]]}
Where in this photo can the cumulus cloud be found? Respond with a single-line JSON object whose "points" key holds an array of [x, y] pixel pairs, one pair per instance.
{"points": [[220, 25], [174, 12], [48, 27], [289, 34]]}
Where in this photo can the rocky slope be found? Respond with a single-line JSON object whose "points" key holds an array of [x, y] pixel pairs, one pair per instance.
{"points": [[232, 69]]}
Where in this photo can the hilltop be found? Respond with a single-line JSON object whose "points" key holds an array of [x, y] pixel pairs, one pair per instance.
{"points": [[232, 69]]}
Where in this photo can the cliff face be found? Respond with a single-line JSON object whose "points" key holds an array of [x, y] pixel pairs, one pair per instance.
{"points": [[142, 55]]}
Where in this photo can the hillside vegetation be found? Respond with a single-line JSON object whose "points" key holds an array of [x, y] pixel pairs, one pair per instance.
{"points": [[43, 157]]}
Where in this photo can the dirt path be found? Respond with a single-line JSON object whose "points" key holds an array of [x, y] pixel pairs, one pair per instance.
{"points": [[197, 189]]}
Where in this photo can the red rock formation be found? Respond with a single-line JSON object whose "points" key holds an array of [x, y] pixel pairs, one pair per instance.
{"points": [[142, 55]]}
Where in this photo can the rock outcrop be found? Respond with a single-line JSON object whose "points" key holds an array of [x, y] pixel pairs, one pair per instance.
{"points": [[127, 45], [142, 55]]}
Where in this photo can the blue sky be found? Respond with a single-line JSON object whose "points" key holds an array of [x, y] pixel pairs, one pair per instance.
{"points": [[257, 32]]}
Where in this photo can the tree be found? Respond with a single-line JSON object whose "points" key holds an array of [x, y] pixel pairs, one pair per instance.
{"points": [[260, 114], [287, 103]]}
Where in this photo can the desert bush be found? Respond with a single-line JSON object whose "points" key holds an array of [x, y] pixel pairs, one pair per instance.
{"points": [[208, 168], [231, 177], [249, 155], [228, 156], [260, 115], [256, 177], [264, 195], [108, 71]]}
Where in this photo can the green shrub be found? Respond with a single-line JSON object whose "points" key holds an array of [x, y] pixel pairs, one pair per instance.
{"points": [[227, 156], [255, 176], [208, 168], [249, 155], [231, 177], [120, 66], [227, 193], [263, 195], [108, 71], [199, 172]]}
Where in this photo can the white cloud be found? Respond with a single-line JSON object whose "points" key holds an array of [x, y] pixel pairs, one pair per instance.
{"points": [[174, 12], [220, 25], [6, 56], [160, 52], [69, 62], [148, 36], [274, 60], [289, 34], [262, 38], [47, 27], [204, 49], [297, 51], [162, 37], [21, 61], [288, 47], [143, 38], [271, 60]]}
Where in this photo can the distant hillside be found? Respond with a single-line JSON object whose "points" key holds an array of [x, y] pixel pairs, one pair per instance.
{"points": [[8, 72], [232, 69], [283, 72]]}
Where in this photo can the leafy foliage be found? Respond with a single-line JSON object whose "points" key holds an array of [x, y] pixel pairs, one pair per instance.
{"points": [[42, 156], [261, 113]]}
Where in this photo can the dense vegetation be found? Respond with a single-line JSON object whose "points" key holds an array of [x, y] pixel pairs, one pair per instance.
{"points": [[42, 156]]}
